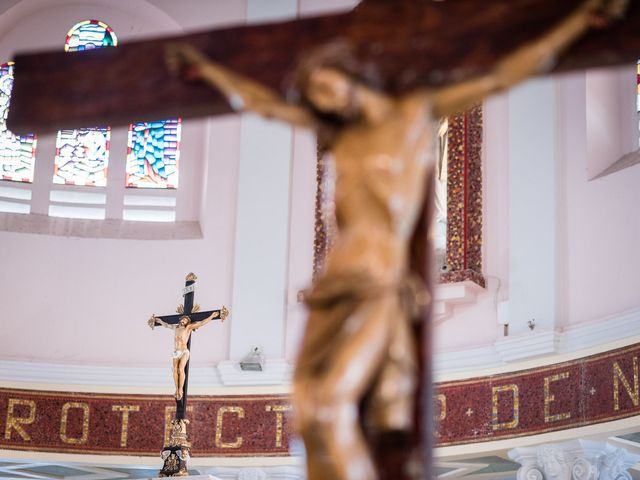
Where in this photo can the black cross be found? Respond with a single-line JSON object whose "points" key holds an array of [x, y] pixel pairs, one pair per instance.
{"points": [[187, 309]]}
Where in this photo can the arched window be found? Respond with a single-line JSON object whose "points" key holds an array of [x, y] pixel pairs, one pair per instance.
{"points": [[89, 34], [82, 156], [17, 153]]}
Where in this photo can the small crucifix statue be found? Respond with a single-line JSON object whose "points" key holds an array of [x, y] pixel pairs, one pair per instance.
{"points": [[187, 319]]}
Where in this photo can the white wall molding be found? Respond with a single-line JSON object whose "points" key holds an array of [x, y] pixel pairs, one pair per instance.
{"points": [[156, 378], [42, 224], [623, 328], [447, 295], [466, 360], [611, 329], [547, 346], [275, 372], [528, 345]]}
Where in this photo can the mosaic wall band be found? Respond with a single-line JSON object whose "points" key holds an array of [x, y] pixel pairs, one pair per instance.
{"points": [[585, 391]]}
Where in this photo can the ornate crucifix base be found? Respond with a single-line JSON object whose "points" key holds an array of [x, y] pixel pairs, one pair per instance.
{"points": [[177, 452]]}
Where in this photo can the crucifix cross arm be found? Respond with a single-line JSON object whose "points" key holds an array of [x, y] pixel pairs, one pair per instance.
{"points": [[197, 319], [402, 46]]}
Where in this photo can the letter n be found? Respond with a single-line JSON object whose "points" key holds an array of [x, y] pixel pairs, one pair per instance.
{"points": [[618, 377]]}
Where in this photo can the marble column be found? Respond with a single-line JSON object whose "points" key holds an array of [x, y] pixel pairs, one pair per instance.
{"points": [[532, 206], [261, 237]]}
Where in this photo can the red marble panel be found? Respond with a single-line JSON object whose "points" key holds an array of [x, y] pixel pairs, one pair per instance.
{"points": [[585, 391], [464, 198], [88, 423]]}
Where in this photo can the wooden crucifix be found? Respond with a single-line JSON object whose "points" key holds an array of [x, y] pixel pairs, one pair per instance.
{"points": [[402, 44], [188, 319], [371, 83]]}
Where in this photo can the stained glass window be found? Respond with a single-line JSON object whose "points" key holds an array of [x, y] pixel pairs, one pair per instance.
{"points": [[89, 34], [153, 151], [82, 156], [17, 153]]}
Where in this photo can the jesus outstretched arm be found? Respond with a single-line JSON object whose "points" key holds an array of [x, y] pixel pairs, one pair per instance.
{"points": [[242, 93], [154, 320], [197, 325], [533, 58]]}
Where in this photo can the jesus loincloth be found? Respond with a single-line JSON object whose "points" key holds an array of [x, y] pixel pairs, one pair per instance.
{"points": [[332, 301], [179, 353]]}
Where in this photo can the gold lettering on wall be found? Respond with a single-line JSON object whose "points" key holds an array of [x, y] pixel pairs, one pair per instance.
{"points": [[279, 409], [125, 409], [169, 412], [442, 400], [618, 376], [16, 423], [85, 423], [549, 398], [219, 418], [513, 388]]}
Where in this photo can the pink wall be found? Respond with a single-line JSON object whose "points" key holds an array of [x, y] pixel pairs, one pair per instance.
{"points": [[86, 300], [602, 222]]}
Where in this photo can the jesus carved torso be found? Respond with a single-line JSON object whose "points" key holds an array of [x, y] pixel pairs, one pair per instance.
{"points": [[378, 196], [181, 338]]}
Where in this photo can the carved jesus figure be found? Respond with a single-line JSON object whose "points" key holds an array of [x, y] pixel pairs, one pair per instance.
{"points": [[180, 350], [358, 338]]}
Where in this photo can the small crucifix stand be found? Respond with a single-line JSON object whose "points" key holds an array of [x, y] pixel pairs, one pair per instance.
{"points": [[189, 318]]}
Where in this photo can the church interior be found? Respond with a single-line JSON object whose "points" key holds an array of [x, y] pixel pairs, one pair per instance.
{"points": [[535, 317]]}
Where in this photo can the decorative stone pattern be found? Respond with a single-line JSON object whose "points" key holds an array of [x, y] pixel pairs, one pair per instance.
{"points": [[575, 460], [464, 198], [325, 224], [586, 391], [464, 202]]}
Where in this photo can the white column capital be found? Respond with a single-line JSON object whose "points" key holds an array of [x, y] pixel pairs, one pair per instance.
{"points": [[574, 460]]}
